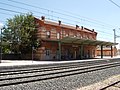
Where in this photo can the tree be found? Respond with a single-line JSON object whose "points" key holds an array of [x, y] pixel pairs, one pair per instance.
{"points": [[20, 33]]}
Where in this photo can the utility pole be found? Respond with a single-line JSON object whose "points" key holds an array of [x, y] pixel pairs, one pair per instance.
{"points": [[1, 47], [1, 43], [115, 36]]}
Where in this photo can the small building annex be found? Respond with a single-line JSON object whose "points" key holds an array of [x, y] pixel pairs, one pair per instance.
{"points": [[60, 41], [107, 51]]}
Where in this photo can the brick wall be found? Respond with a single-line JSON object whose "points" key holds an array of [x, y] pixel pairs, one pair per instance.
{"points": [[51, 32]]}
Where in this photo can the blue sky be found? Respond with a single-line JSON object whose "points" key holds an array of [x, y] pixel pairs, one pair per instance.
{"points": [[101, 15]]}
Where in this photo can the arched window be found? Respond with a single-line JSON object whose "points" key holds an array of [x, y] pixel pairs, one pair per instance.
{"points": [[48, 34]]}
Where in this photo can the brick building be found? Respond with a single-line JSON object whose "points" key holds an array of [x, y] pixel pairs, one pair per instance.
{"points": [[107, 51], [60, 41]]}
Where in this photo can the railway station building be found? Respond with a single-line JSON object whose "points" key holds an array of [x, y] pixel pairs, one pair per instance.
{"points": [[64, 42], [107, 51]]}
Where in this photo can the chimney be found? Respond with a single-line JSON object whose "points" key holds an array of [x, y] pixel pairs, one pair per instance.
{"points": [[59, 22], [77, 26], [43, 18], [82, 27], [93, 30]]}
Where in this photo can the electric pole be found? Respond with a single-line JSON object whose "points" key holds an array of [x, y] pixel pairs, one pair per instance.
{"points": [[115, 36]]}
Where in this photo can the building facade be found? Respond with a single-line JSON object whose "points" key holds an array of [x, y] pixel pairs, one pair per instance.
{"points": [[107, 51], [59, 41]]}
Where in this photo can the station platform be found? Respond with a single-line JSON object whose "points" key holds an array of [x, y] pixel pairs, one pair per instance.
{"points": [[32, 62]]}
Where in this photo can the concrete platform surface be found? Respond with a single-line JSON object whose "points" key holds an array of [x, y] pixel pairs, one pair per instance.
{"points": [[30, 62]]}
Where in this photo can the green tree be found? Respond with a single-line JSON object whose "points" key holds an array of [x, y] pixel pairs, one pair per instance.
{"points": [[20, 33]]}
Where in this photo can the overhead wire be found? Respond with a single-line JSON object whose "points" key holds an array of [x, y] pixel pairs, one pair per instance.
{"points": [[11, 10], [58, 13], [103, 37], [27, 9], [114, 3], [95, 21], [38, 16], [6, 13], [118, 7], [35, 11], [71, 15], [21, 8]]}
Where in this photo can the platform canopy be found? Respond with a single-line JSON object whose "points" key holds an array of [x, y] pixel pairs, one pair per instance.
{"points": [[76, 40]]}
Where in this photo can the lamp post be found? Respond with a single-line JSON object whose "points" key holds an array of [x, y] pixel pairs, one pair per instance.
{"points": [[32, 53], [1, 48]]}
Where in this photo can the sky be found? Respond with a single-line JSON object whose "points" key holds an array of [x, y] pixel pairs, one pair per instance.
{"points": [[101, 15]]}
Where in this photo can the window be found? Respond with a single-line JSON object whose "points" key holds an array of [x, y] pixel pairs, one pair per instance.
{"points": [[43, 28], [84, 36], [47, 52], [75, 35], [79, 35], [67, 35], [90, 37], [48, 34], [87, 36], [63, 33], [58, 35]]}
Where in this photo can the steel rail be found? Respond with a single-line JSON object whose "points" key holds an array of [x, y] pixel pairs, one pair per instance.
{"points": [[58, 74], [110, 85], [50, 68]]}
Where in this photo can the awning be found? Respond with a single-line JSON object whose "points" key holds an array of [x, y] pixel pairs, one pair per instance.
{"points": [[76, 40]]}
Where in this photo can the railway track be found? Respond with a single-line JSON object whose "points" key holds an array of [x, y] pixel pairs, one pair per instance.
{"points": [[39, 68], [111, 85], [9, 69], [46, 72]]}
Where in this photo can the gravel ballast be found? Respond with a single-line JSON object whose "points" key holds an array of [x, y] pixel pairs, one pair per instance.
{"points": [[74, 82]]}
